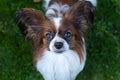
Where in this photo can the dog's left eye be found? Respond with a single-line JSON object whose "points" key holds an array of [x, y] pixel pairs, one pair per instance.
{"points": [[48, 36], [68, 35]]}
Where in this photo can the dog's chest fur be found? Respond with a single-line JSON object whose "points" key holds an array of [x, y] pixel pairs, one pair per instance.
{"points": [[63, 66]]}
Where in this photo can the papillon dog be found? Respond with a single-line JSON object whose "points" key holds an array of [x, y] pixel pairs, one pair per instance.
{"points": [[57, 36]]}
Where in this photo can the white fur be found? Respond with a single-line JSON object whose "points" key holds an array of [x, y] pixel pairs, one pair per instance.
{"points": [[94, 2], [65, 66], [57, 22], [49, 12]]}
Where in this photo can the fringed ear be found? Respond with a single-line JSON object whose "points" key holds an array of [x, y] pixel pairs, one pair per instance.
{"points": [[29, 21], [81, 15]]}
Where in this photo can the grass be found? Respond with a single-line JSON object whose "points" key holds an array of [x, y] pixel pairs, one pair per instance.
{"points": [[102, 41]]}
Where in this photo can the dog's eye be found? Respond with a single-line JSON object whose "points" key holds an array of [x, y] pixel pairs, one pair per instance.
{"points": [[48, 36], [68, 35]]}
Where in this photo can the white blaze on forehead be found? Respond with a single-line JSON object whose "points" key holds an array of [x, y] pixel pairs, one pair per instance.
{"points": [[57, 22]]}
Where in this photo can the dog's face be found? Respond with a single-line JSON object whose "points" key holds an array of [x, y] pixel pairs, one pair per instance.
{"points": [[56, 39]]}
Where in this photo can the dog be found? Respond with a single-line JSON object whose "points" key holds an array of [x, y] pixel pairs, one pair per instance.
{"points": [[57, 36]]}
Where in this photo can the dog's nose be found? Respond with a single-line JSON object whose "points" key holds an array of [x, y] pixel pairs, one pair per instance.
{"points": [[58, 45]]}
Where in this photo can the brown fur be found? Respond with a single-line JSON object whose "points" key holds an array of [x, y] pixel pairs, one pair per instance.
{"points": [[30, 21]]}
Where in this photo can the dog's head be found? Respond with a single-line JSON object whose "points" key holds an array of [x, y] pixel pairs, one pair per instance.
{"points": [[58, 34]]}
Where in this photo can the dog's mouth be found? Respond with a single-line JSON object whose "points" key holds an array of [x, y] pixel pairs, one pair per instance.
{"points": [[59, 51]]}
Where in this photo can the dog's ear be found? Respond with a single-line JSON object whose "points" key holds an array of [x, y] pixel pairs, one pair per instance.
{"points": [[30, 21], [81, 15]]}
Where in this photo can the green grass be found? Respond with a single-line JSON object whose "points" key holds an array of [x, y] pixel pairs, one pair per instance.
{"points": [[102, 41]]}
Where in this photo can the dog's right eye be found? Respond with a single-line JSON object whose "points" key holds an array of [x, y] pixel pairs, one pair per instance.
{"points": [[48, 36]]}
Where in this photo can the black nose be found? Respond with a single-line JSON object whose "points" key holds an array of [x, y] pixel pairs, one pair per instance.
{"points": [[58, 45]]}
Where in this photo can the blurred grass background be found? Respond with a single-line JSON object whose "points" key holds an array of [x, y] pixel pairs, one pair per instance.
{"points": [[102, 41]]}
